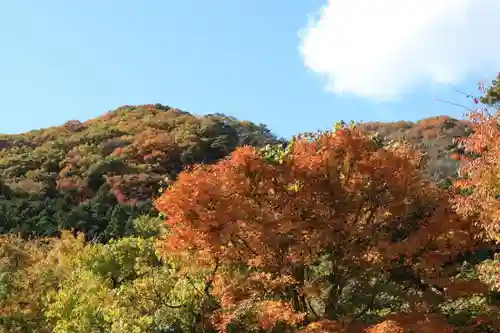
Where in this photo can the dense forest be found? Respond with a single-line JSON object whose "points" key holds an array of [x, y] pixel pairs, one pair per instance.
{"points": [[151, 219]]}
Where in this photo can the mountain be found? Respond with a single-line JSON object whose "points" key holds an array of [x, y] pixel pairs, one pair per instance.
{"points": [[97, 176]]}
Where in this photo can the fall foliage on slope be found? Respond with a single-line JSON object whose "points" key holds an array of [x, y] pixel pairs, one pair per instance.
{"points": [[109, 168], [96, 175], [435, 136]]}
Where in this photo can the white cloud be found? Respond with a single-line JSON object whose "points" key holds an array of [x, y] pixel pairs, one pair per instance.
{"points": [[381, 49]]}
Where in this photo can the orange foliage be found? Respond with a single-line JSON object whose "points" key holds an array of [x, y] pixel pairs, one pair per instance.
{"points": [[326, 326], [365, 207], [153, 147], [411, 323], [482, 175], [434, 122]]}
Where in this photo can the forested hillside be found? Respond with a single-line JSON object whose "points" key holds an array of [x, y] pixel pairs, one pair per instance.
{"points": [[97, 176], [435, 136], [149, 219]]}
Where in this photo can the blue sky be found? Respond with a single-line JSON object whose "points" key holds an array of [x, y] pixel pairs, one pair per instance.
{"points": [[64, 60]]}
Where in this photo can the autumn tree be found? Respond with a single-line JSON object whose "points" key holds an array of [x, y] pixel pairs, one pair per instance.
{"points": [[478, 189], [332, 231]]}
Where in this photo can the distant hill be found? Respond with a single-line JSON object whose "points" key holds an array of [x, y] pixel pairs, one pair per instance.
{"points": [[97, 176], [434, 136], [83, 175]]}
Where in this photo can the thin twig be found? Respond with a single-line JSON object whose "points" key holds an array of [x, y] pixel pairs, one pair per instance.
{"points": [[455, 104]]}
